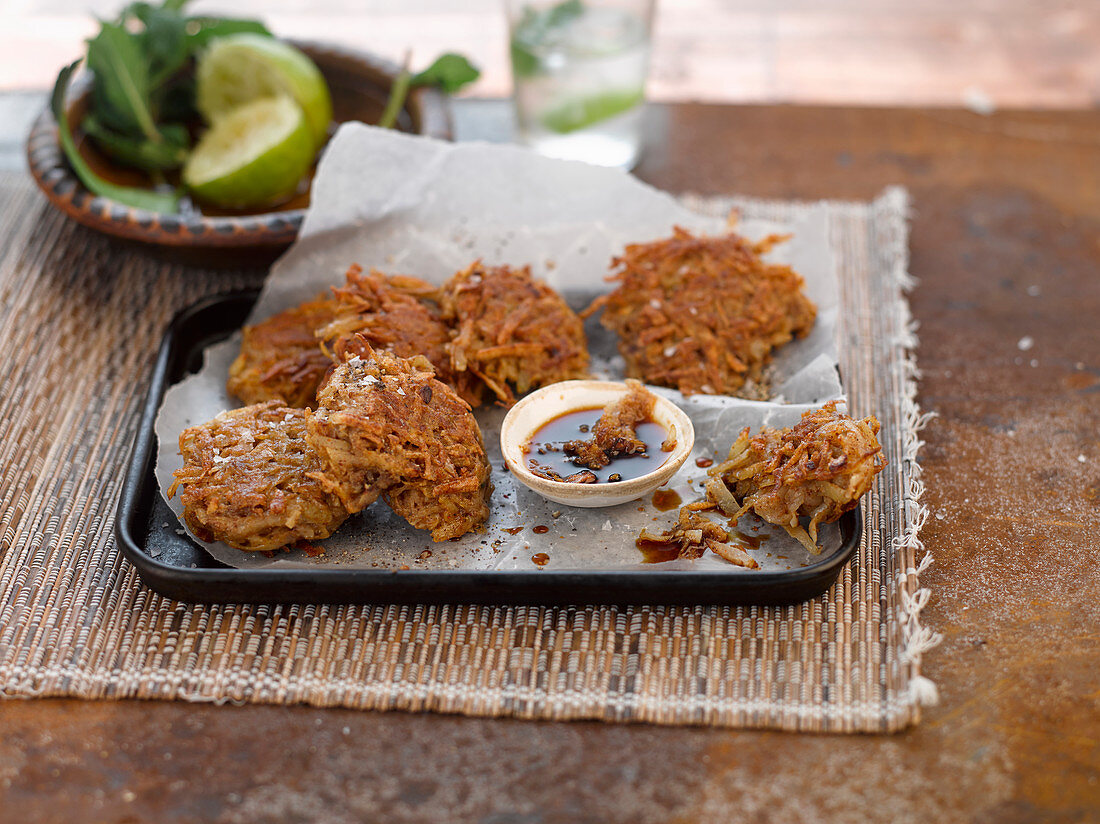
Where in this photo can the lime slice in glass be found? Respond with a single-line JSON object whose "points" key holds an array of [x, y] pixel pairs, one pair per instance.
{"points": [[252, 156], [240, 68], [582, 112]]}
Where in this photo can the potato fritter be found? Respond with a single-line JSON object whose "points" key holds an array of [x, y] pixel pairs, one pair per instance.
{"points": [[703, 314], [385, 423], [391, 313], [250, 479], [614, 433], [818, 468], [280, 358], [512, 331]]}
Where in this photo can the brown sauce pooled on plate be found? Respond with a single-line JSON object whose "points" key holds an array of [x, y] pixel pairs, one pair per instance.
{"points": [[545, 455], [666, 499], [541, 530], [703, 463], [751, 541], [656, 552], [540, 559]]}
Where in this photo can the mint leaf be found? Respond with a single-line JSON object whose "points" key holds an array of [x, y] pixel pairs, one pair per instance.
{"points": [[525, 63], [533, 30], [562, 13], [163, 40], [122, 76], [201, 30], [169, 153], [136, 198], [450, 72]]}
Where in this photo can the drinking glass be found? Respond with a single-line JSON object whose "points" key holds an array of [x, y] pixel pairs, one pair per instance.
{"points": [[579, 69]]}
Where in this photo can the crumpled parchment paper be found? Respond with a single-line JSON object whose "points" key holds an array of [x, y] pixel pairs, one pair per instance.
{"points": [[418, 206]]}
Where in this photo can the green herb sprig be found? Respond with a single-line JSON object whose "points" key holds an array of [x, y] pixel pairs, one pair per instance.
{"points": [[450, 72], [151, 200], [534, 28], [142, 98]]}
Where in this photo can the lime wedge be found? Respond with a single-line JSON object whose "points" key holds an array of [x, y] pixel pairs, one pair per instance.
{"points": [[240, 68], [251, 156], [583, 112]]}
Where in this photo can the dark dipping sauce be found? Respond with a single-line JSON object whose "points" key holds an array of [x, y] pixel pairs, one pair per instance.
{"points": [[544, 450]]}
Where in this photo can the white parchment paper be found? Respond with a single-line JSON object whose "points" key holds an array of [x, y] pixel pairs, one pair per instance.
{"points": [[417, 206]]}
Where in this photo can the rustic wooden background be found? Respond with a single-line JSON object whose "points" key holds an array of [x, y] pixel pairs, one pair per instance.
{"points": [[1011, 53]]}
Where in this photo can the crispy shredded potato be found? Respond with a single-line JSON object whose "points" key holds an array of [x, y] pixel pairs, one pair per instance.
{"points": [[385, 425], [693, 534], [250, 479], [703, 314], [393, 313], [280, 358], [818, 469], [511, 331]]}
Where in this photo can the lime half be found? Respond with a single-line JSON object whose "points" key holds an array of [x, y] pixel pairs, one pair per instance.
{"points": [[240, 68], [252, 156]]}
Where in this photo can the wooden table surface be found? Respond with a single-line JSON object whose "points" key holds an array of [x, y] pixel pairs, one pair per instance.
{"points": [[1006, 244]]}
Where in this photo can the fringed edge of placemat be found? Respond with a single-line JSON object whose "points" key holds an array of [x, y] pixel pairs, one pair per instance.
{"points": [[918, 639]]}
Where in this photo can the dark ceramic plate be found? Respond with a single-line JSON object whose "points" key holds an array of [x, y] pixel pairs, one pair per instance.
{"points": [[174, 565], [359, 84]]}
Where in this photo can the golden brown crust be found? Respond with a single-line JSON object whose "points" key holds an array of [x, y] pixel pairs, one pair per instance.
{"points": [[385, 423], [702, 314], [392, 313], [511, 331], [818, 468], [250, 479], [280, 358]]}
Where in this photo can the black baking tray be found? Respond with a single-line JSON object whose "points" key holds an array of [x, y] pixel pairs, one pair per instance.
{"points": [[174, 565]]}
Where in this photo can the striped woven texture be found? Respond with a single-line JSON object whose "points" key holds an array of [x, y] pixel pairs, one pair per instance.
{"points": [[80, 321]]}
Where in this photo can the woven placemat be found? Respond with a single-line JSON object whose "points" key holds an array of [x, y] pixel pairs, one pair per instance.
{"points": [[80, 320]]}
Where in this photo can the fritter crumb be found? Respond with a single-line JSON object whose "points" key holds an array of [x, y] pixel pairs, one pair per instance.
{"points": [[250, 479], [614, 433], [693, 534], [511, 331], [703, 314]]}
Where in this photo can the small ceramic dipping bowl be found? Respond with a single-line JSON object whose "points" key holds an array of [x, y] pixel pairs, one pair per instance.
{"points": [[526, 417]]}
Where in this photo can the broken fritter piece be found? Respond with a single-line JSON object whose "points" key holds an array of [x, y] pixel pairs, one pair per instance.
{"points": [[703, 314], [693, 534], [384, 423], [614, 433], [280, 358], [250, 479], [511, 331], [818, 468], [392, 313]]}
